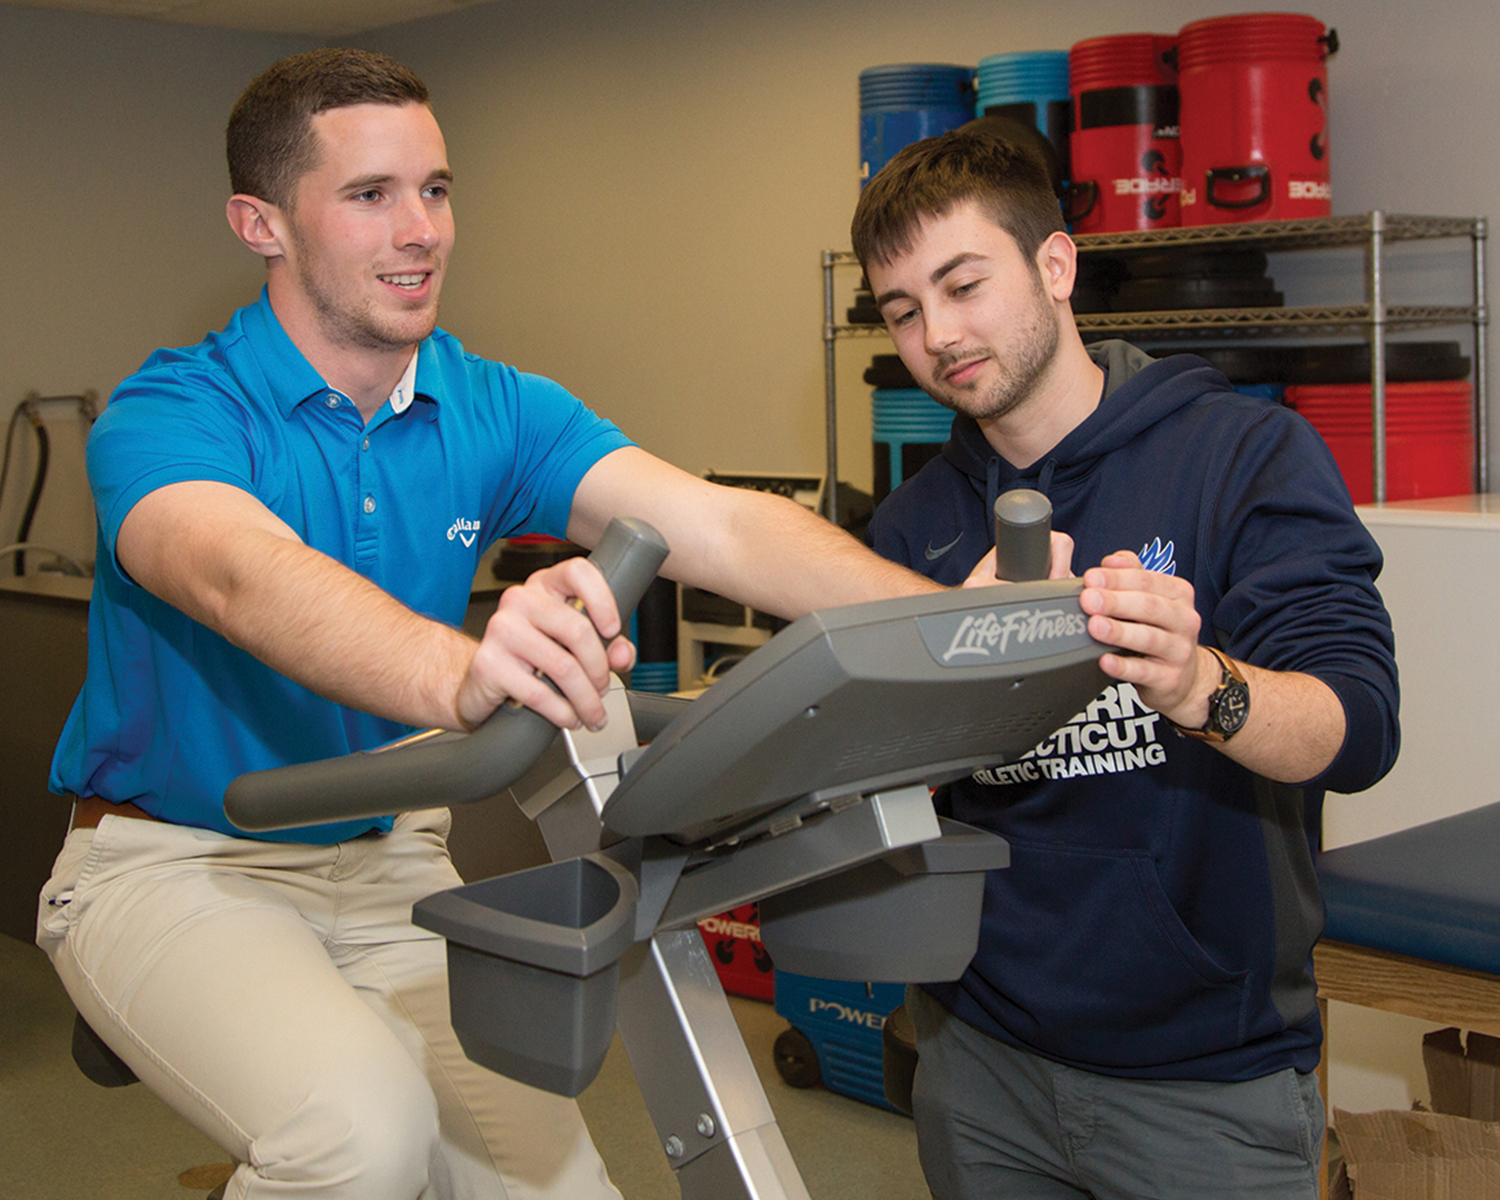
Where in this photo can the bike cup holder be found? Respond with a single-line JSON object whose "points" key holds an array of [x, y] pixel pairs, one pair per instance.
{"points": [[533, 956], [533, 967], [799, 781], [911, 915]]}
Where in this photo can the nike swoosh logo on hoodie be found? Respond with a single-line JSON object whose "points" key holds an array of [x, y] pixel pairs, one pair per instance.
{"points": [[933, 555]]}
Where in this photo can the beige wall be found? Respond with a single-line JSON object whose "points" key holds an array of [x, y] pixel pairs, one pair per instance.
{"points": [[645, 188], [643, 191], [112, 188]]}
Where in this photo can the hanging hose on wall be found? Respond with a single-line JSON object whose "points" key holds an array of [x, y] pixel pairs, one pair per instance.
{"points": [[38, 482], [30, 409]]}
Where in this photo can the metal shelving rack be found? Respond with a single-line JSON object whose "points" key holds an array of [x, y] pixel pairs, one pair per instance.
{"points": [[1373, 319], [832, 333]]}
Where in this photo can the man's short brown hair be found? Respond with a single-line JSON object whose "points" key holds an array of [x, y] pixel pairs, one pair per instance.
{"points": [[932, 177], [270, 142]]}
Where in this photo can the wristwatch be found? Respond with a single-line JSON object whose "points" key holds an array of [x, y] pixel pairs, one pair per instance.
{"points": [[1228, 706]]}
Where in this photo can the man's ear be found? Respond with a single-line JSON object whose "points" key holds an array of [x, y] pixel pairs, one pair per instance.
{"points": [[257, 223], [1057, 260]]}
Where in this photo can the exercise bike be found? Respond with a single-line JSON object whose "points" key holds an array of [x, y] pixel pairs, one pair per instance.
{"points": [[801, 780]]}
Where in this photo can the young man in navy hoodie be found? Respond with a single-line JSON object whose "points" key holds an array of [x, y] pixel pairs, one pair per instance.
{"points": [[1140, 1019]]}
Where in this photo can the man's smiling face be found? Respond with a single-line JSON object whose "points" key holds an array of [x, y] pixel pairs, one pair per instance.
{"points": [[370, 228]]}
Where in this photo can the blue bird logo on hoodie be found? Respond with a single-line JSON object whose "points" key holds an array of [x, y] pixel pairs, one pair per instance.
{"points": [[1157, 557]]}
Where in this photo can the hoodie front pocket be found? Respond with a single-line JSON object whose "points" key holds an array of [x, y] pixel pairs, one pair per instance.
{"points": [[1096, 966]]}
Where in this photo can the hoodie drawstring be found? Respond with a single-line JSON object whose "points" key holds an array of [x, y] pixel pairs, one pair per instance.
{"points": [[1044, 480], [991, 492]]}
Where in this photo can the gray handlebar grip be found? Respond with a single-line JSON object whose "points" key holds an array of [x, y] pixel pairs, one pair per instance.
{"points": [[435, 767], [1023, 536]]}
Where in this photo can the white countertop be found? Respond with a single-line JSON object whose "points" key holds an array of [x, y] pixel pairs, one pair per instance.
{"points": [[64, 587], [1478, 511]]}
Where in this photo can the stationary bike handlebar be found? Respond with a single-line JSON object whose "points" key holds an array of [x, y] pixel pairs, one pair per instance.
{"points": [[1023, 535], [435, 767]]}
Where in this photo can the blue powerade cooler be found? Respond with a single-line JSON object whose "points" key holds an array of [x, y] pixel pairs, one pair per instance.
{"points": [[901, 103], [835, 1036]]}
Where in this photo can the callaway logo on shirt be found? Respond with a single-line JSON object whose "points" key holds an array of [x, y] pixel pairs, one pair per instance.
{"points": [[464, 530]]}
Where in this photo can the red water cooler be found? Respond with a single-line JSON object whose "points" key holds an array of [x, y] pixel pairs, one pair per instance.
{"points": [[1126, 157], [1254, 91]]}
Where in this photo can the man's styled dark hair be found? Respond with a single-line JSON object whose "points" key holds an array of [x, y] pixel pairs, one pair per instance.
{"points": [[270, 142], [932, 177]]}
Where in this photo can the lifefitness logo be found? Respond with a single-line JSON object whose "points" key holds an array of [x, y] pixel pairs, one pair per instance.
{"points": [[990, 636], [464, 530], [842, 1012]]}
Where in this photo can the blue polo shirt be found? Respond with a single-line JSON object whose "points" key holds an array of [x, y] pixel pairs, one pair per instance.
{"points": [[170, 712]]}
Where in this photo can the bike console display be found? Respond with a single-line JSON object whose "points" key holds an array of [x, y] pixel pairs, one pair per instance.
{"points": [[862, 698]]}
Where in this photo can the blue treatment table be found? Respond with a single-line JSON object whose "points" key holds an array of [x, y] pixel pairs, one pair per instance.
{"points": [[1414, 924]]}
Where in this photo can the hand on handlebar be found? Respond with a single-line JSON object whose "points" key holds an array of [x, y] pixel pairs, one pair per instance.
{"points": [[1152, 616], [550, 625], [540, 631], [1060, 564]]}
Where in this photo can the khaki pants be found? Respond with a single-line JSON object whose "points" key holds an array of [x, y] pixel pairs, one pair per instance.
{"points": [[279, 998]]}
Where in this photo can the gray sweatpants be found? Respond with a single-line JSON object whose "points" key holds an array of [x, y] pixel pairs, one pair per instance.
{"points": [[997, 1123]]}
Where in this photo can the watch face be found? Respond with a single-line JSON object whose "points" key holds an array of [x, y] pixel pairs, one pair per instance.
{"points": [[1231, 707]]}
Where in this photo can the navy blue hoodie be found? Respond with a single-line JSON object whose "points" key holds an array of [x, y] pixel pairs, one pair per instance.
{"points": [[1158, 916]]}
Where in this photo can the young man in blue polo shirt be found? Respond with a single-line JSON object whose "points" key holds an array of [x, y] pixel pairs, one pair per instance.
{"points": [[291, 514]]}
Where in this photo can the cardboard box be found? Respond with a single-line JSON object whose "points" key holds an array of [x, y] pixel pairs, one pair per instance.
{"points": [[1452, 1153], [1464, 1078]]}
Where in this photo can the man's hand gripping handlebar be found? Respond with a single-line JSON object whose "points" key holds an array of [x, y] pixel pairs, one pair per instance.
{"points": [[436, 766]]}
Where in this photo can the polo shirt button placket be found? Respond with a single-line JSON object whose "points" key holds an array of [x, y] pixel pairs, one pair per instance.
{"points": [[366, 538]]}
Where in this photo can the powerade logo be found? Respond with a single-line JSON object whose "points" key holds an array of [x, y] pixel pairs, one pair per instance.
{"points": [[1014, 633], [1155, 186], [1308, 189], [833, 1010], [726, 927]]}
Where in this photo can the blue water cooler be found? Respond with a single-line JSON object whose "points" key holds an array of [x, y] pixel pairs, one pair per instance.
{"points": [[1030, 88], [835, 1035], [905, 102], [907, 427]]}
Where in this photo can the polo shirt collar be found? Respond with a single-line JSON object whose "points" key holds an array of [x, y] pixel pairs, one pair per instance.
{"points": [[291, 379], [288, 376], [405, 391]]}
